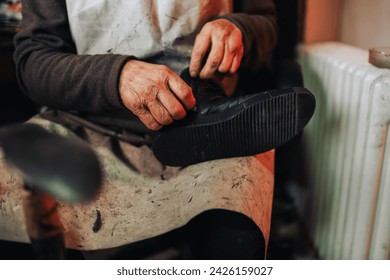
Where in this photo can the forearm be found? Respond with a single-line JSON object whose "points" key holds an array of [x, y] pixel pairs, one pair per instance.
{"points": [[51, 73], [69, 81]]}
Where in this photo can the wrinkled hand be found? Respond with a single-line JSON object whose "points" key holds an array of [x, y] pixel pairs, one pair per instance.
{"points": [[218, 48], [154, 93]]}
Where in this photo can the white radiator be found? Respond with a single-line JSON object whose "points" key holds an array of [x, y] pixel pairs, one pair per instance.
{"points": [[348, 153]]}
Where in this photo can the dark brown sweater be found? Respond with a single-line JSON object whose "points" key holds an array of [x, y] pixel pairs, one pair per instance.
{"points": [[51, 73]]}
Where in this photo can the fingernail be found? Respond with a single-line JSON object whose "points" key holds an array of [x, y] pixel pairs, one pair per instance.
{"points": [[193, 74]]}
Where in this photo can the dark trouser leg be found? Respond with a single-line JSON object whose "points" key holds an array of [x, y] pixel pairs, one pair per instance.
{"points": [[223, 234]]}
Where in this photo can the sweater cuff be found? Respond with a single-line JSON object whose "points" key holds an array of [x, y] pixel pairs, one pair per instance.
{"points": [[113, 76]]}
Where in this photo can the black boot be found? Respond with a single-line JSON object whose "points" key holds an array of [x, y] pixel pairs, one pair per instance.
{"points": [[223, 127]]}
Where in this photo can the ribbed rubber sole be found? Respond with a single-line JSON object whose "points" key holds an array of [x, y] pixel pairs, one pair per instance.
{"points": [[256, 129]]}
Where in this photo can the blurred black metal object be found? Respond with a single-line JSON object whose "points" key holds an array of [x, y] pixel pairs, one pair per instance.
{"points": [[65, 168], [52, 167]]}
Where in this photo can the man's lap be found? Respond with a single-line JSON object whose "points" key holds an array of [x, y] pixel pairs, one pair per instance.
{"points": [[140, 198]]}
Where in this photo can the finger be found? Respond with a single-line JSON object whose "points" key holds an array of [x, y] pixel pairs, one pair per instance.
{"points": [[213, 61], [227, 61], [182, 91], [234, 42], [236, 47], [201, 47], [148, 120], [172, 105], [159, 112], [135, 104], [236, 61]]}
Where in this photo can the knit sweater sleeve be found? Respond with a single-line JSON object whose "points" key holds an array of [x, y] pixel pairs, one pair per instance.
{"points": [[51, 73]]}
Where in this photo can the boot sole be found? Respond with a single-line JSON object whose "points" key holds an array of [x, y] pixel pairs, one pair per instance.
{"points": [[259, 126]]}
